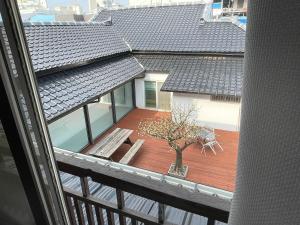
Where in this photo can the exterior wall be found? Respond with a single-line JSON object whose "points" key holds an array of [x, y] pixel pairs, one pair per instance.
{"points": [[140, 86], [215, 114]]}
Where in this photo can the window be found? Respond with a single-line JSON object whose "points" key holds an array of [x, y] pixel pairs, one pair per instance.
{"points": [[123, 100], [101, 115], [154, 98], [70, 131]]}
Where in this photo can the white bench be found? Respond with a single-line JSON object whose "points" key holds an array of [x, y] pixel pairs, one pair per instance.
{"points": [[132, 151]]}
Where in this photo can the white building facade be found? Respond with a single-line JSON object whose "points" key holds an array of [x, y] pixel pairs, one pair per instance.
{"points": [[218, 114]]}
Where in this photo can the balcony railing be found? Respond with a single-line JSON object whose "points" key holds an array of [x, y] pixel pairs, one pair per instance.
{"points": [[85, 208]]}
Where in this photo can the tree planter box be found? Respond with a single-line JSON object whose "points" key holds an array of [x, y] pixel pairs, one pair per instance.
{"points": [[181, 175]]}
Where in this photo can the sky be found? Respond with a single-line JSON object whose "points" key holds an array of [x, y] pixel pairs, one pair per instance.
{"points": [[82, 3]]}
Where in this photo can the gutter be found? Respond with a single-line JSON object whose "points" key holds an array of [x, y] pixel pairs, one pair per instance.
{"points": [[233, 54]]}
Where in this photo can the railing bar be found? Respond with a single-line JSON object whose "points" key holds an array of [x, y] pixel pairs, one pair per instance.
{"points": [[110, 217], [88, 207], [71, 209], [161, 212], [99, 215], [147, 219], [194, 202], [211, 221], [133, 221], [78, 209], [121, 204]]}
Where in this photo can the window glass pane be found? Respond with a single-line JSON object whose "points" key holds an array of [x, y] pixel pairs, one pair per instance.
{"points": [[123, 100], [14, 208], [163, 98], [101, 117], [150, 94], [69, 132]]}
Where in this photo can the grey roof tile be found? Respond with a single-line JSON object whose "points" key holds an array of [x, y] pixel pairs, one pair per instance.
{"points": [[65, 90], [198, 74], [175, 28], [56, 45]]}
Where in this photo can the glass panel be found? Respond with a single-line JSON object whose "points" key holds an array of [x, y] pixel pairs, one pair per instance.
{"points": [[123, 100], [101, 116], [69, 132], [14, 208], [164, 98], [150, 94]]}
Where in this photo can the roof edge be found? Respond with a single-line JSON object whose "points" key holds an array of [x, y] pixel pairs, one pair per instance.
{"points": [[162, 5], [72, 109], [220, 54], [46, 72], [62, 23], [201, 93]]}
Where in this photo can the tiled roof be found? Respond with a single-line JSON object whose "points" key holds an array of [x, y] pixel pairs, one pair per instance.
{"points": [[65, 90], [175, 29], [60, 44], [198, 74]]}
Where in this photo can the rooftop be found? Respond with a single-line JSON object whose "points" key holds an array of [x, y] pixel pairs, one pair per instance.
{"points": [[53, 45], [198, 74], [175, 29]]}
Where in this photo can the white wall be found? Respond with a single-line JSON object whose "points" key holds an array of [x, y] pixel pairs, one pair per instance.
{"points": [[215, 114], [140, 86]]}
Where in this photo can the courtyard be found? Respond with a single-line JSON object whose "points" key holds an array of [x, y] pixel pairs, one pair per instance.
{"points": [[155, 155]]}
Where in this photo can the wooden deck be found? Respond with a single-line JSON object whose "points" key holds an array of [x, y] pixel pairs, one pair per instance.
{"points": [[155, 155]]}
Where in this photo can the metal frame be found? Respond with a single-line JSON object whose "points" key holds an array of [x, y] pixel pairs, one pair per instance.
{"points": [[18, 153], [49, 191]]}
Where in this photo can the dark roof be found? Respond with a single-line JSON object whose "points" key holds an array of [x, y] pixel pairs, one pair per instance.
{"points": [[175, 29], [65, 90], [59, 44], [134, 202], [198, 74]]}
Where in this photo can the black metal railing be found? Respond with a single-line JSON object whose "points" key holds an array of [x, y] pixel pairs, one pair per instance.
{"points": [[85, 208]]}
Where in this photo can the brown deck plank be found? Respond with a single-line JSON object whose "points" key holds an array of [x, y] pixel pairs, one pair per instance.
{"points": [[155, 155]]}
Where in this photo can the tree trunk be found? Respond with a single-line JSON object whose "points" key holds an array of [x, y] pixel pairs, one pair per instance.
{"points": [[178, 162]]}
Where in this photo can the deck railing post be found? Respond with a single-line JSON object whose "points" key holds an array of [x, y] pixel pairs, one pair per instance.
{"points": [[121, 204], [86, 193], [211, 221], [161, 212]]}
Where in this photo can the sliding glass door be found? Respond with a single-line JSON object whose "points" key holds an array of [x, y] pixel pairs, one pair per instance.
{"points": [[123, 100], [156, 99], [101, 115], [150, 94]]}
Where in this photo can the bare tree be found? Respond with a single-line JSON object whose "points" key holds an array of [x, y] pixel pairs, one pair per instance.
{"points": [[178, 129]]}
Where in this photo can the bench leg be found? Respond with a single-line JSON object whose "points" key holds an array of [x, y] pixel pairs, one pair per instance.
{"points": [[128, 141]]}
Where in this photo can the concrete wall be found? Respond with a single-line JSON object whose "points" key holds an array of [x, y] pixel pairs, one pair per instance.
{"points": [[140, 86], [215, 114]]}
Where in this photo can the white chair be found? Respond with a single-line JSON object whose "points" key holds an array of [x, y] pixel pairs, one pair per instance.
{"points": [[208, 140]]}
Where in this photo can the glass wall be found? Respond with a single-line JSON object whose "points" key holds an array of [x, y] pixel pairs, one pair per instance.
{"points": [[101, 115], [123, 100], [69, 132], [150, 94], [164, 98]]}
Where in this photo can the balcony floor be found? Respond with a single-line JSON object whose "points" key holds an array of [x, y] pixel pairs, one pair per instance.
{"points": [[155, 155]]}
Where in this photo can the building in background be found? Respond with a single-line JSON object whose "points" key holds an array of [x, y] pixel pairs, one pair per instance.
{"points": [[69, 9], [96, 5], [137, 3]]}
